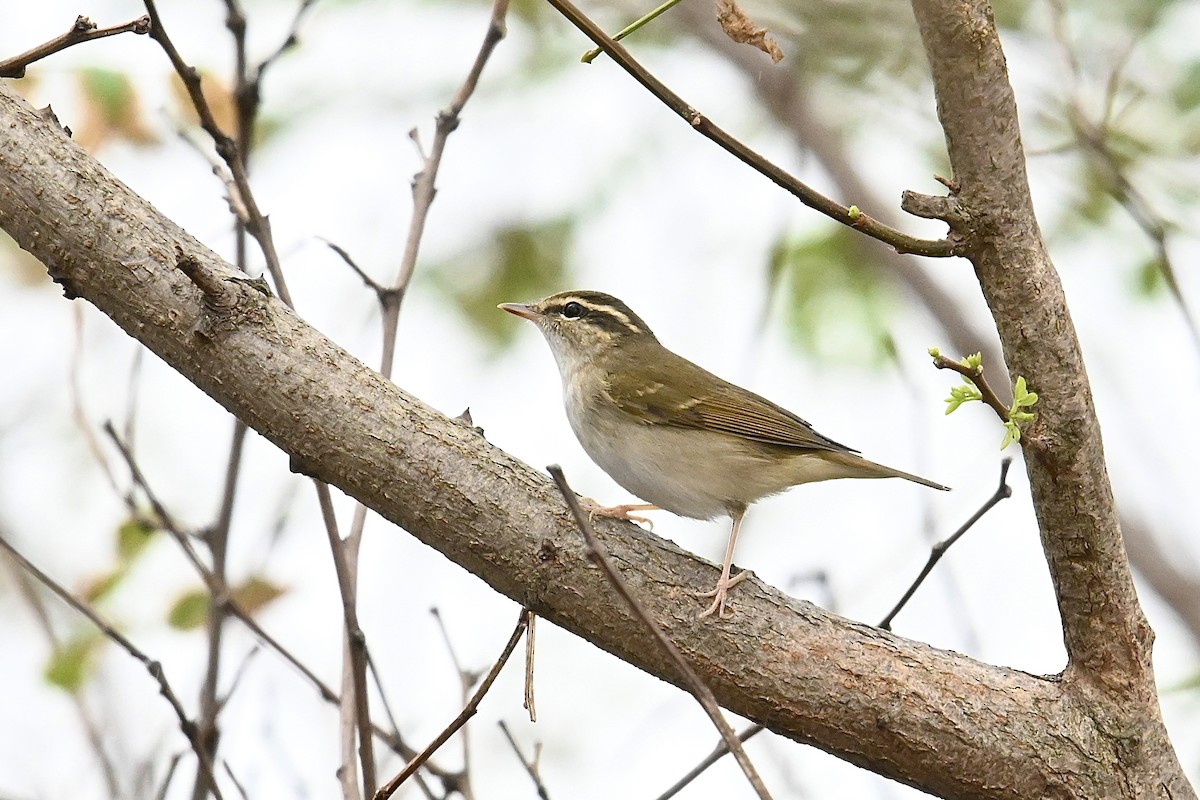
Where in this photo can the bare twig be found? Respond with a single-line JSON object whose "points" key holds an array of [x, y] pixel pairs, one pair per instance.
{"points": [[846, 215], [257, 223], [218, 586], [153, 667], [1002, 492], [91, 729], [83, 30], [720, 750], [390, 300], [468, 711], [392, 739], [599, 555], [372, 284], [356, 715], [1093, 137], [424, 183], [166, 780], [530, 640], [77, 410], [530, 766], [466, 679]]}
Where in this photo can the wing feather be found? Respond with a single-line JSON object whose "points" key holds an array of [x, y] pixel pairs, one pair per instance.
{"points": [[723, 407]]}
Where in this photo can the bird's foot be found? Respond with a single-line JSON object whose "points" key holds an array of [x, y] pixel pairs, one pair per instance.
{"points": [[720, 594], [594, 510]]}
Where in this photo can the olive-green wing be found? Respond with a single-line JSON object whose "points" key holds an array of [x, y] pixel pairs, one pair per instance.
{"points": [[722, 407]]}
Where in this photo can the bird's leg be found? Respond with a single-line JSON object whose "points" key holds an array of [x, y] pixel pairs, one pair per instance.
{"points": [[725, 583], [594, 509]]}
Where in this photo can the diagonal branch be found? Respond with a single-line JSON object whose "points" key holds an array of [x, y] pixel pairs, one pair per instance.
{"points": [[692, 682], [846, 215], [155, 669], [83, 30]]}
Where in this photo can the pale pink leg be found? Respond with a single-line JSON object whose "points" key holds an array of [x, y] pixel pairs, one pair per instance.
{"points": [[725, 583], [594, 509]]}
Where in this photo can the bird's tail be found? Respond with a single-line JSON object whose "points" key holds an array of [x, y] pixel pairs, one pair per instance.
{"points": [[860, 467]]}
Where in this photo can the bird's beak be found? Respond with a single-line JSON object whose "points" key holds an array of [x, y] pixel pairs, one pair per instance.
{"points": [[528, 312]]}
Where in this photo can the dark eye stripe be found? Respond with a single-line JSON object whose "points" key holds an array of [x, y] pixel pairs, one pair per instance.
{"points": [[602, 310]]}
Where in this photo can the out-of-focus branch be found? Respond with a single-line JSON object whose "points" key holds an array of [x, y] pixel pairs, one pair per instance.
{"points": [[84, 30], [153, 667]]}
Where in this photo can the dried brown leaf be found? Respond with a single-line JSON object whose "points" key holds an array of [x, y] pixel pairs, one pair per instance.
{"points": [[740, 28]]}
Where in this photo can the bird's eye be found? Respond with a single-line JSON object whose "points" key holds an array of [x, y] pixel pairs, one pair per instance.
{"points": [[572, 310]]}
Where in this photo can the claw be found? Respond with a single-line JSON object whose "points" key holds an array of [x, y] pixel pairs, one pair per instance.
{"points": [[594, 510], [720, 595]]}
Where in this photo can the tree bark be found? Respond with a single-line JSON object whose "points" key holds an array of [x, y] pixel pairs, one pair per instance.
{"points": [[930, 718]]}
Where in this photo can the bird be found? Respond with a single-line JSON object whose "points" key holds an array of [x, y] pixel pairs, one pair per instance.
{"points": [[674, 434]]}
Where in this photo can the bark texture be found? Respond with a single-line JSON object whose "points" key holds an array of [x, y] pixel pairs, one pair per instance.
{"points": [[1108, 640], [931, 718]]}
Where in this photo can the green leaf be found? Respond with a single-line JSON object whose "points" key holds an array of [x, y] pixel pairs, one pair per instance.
{"points": [[1149, 280], [70, 664], [132, 537], [111, 93], [963, 393], [974, 361], [1186, 94], [189, 611], [103, 585], [1012, 433]]}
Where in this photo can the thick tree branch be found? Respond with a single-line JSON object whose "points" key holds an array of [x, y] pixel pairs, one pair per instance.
{"points": [[1107, 638], [927, 717], [1104, 629]]}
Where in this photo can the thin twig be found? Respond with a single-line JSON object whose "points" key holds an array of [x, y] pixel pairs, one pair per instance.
{"points": [[846, 215], [645, 19], [424, 184], [83, 30], [976, 376], [466, 679], [530, 643], [218, 585], [1002, 492], [166, 781], [530, 767], [164, 518], [91, 729], [257, 223], [1094, 139], [390, 300], [153, 667], [468, 711], [372, 284], [720, 750], [356, 716], [599, 555]]}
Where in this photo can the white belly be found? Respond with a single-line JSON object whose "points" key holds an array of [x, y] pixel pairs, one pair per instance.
{"points": [[690, 472]]}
